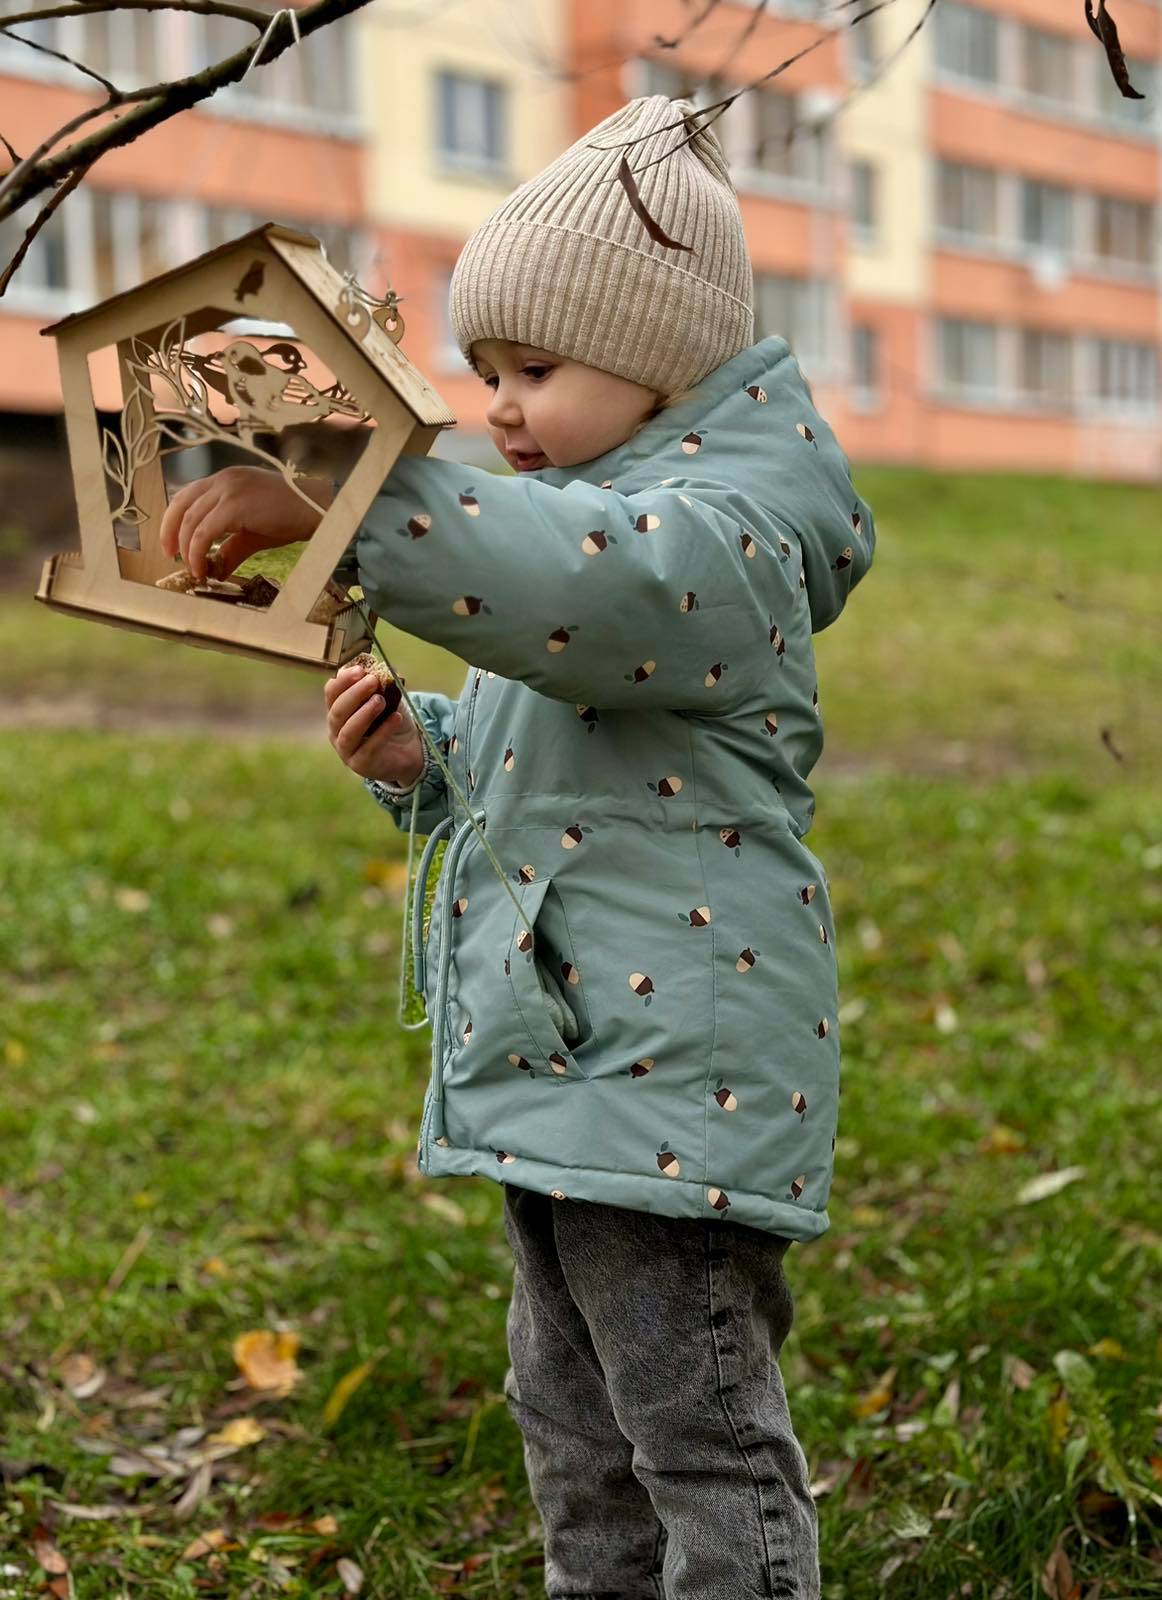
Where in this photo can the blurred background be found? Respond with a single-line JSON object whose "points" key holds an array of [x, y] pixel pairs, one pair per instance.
{"points": [[208, 1111]]}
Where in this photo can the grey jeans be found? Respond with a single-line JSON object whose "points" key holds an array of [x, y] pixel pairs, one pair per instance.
{"points": [[644, 1380]]}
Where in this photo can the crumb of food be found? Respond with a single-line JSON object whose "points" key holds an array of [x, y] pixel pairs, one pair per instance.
{"points": [[180, 582], [388, 685], [258, 590]]}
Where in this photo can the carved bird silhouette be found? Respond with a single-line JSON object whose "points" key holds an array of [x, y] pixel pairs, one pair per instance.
{"points": [[269, 396]]}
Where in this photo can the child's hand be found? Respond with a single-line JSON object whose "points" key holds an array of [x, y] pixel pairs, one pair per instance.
{"points": [[394, 753], [250, 508]]}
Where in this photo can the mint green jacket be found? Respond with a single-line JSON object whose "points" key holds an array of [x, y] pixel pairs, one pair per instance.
{"points": [[635, 737]]}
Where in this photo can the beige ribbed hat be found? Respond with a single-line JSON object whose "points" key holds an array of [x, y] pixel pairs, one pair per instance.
{"points": [[566, 264]]}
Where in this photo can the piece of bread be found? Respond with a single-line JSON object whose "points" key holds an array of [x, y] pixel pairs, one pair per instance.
{"points": [[388, 686]]}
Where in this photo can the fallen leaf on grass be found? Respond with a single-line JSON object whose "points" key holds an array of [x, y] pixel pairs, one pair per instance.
{"points": [[82, 1376], [239, 1433], [105, 1513], [875, 1399], [446, 1208], [47, 1554], [206, 1543], [350, 1574], [344, 1389], [267, 1360], [1019, 1373], [1002, 1140], [1108, 1350], [1047, 1183], [1057, 1578], [194, 1492]]}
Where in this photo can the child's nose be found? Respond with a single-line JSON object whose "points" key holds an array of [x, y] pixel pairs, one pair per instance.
{"points": [[503, 410]]}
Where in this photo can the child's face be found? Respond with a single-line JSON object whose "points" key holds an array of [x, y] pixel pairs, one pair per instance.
{"points": [[547, 410]]}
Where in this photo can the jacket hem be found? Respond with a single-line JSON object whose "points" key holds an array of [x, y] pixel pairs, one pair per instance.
{"points": [[668, 1197]]}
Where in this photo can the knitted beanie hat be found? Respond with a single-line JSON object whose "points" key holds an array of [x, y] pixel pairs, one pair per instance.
{"points": [[567, 265]]}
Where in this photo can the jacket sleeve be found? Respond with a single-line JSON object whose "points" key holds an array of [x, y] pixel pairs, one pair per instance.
{"points": [[582, 593], [832, 523], [437, 713]]}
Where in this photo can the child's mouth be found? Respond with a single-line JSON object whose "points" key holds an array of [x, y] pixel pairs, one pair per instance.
{"points": [[527, 463]]}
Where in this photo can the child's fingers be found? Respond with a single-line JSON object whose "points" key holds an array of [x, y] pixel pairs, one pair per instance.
{"points": [[189, 533], [350, 736], [172, 519], [348, 701]]}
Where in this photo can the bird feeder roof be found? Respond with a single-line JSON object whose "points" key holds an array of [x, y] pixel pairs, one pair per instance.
{"points": [[300, 255]]}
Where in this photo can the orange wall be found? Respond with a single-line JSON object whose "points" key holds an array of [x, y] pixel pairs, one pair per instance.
{"points": [[976, 130], [1006, 291]]}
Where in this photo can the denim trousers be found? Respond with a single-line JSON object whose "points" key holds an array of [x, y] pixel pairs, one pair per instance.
{"points": [[644, 1380]]}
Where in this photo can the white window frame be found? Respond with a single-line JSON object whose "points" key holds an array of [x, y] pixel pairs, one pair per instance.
{"points": [[861, 397]]}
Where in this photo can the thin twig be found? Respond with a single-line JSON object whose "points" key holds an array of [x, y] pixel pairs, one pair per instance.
{"points": [[58, 55], [64, 190]]}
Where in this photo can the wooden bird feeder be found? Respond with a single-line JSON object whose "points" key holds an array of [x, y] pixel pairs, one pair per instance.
{"points": [[180, 387]]}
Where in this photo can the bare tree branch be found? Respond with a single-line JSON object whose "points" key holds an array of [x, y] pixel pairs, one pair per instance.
{"points": [[65, 189], [158, 103]]}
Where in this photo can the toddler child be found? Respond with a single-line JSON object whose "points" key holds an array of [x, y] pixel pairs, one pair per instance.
{"points": [[635, 1031]]}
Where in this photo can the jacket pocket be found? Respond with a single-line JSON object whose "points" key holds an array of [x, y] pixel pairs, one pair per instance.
{"points": [[543, 1046]]}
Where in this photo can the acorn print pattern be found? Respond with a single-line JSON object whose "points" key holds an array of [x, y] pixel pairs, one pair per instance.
{"points": [[573, 836], [725, 1098], [715, 673], [807, 893], [749, 547], [505, 1158], [640, 1068], [469, 605], [525, 874], [771, 724], [799, 1104], [822, 1030], [459, 907], [642, 985], [470, 503], [525, 942], [718, 1200], [757, 393], [746, 959], [647, 523], [417, 526], [699, 917], [569, 972], [691, 445], [856, 522], [668, 1162], [519, 1061], [559, 1063], [688, 602], [797, 1186], [640, 674], [468, 1030], [509, 759], [594, 543], [804, 432], [732, 839], [778, 643], [589, 717], [559, 638], [666, 788], [842, 560]]}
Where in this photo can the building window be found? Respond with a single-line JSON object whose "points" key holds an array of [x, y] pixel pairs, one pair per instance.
{"points": [[863, 199], [799, 310], [968, 359], [470, 122], [1124, 231], [967, 42], [314, 76], [1047, 66], [1112, 103], [1127, 374], [966, 201], [44, 274], [1046, 216], [781, 145], [1046, 367], [865, 363]]}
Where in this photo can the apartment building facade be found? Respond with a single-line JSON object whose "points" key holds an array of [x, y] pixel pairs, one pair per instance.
{"points": [[958, 230]]}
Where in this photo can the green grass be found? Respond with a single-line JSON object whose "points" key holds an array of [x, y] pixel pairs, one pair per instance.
{"points": [[208, 1115]]}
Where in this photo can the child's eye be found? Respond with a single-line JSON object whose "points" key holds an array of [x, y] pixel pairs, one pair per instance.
{"points": [[536, 372]]}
